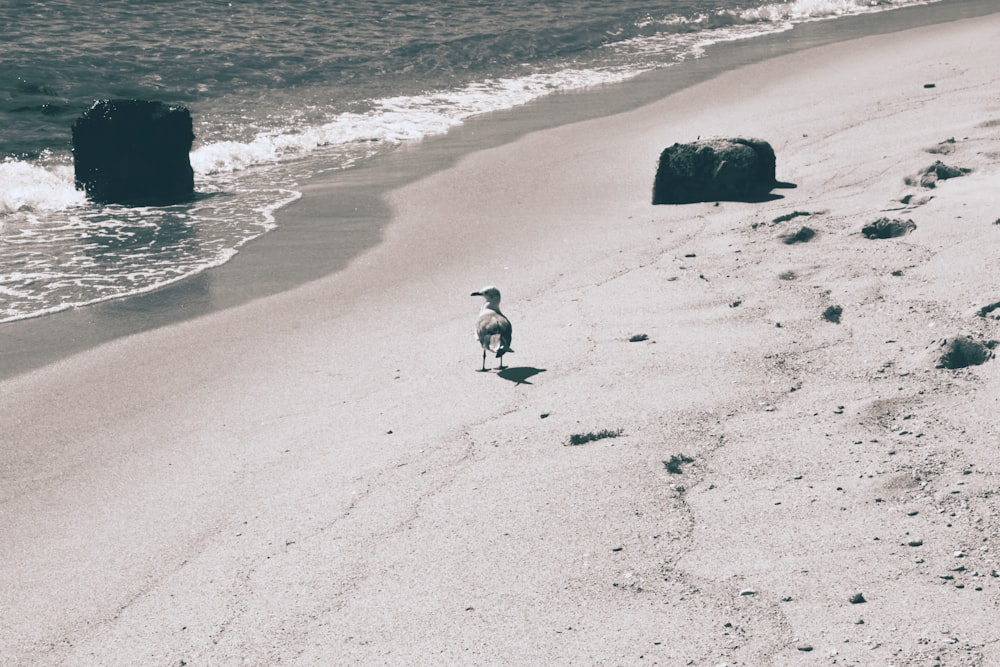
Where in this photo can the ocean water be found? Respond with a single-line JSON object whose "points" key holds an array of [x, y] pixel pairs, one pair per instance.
{"points": [[283, 91]]}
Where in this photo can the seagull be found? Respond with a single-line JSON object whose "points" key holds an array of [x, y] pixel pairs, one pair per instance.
{"points": [[492, 328]]}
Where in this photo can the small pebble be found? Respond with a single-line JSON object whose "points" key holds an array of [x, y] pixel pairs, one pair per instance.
{"points": [[805, 648], [748, 592], [858, 598]]}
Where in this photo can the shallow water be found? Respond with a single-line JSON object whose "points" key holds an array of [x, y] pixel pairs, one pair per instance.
{"points": [[282, 92]]}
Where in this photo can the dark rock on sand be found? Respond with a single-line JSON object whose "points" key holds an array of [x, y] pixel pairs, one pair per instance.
{"points": [[884, 228], [715, 169], [134, 152]]}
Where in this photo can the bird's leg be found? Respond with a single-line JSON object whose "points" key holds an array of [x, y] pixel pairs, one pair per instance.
{"points": [[484, 360]]}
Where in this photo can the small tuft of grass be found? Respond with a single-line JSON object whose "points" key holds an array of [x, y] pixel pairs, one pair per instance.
{"points": [[673, 466], [584, 438], [832, 314]]}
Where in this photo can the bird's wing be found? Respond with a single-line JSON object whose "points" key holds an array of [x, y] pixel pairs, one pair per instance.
{"points": [[492, 324]]}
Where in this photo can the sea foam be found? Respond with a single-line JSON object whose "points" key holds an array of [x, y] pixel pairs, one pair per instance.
{"points": [[27, 187]]}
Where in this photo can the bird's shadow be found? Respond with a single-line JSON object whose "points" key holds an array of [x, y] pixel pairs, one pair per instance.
{"points": [[519, 374]]}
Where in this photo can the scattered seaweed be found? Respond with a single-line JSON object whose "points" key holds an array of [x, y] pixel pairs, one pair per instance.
{"points": [[986, 310], [946, 147], [804, 235], [638, 338], [938, 171], [790, 216], [884, 228], [673, 465], [962, 351], [832, 314], [584, 438]]}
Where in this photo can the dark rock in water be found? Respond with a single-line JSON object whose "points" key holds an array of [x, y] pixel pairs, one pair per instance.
{"points": [[134, 152], [884, 228], [715, 169], [962, 351]]}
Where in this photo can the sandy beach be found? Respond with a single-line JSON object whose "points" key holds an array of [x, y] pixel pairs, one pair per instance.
{"points": [[321, 476]]}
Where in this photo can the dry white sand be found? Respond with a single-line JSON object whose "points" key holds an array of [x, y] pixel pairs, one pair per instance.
{"points": [[322, 477]]}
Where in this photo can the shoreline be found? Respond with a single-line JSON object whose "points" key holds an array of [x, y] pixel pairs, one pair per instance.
{"points": [[295, 254], [323, 476]]}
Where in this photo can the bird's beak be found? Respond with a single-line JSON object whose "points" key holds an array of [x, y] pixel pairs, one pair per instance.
{"points": [[476, 294]]}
